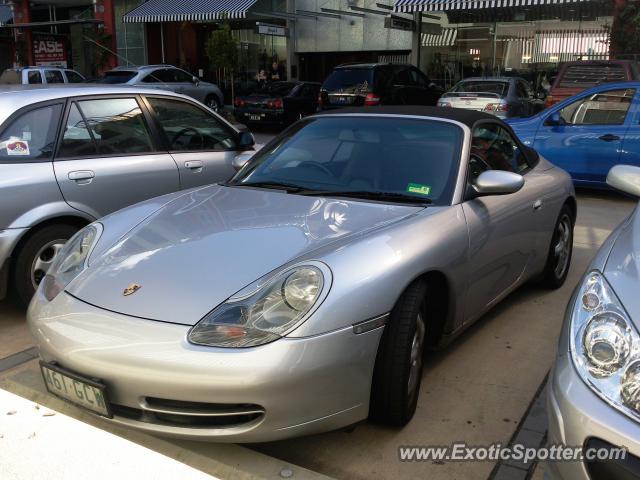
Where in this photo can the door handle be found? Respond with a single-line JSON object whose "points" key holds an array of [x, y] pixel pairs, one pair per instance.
{"points": [[195, 166], [537, 205], [82, 177], [609, 137]]}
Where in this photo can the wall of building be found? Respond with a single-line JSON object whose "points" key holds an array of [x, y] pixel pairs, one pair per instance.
{"points": [[348, 33]]}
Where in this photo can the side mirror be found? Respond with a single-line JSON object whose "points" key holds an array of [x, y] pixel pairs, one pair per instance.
{"points": [[497, 182], [246, 140], [541, 95], [195, 80], [625, 178], [554, 120], [241, 160]]}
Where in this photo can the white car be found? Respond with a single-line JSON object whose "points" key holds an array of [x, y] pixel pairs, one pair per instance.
{"points": [[39, 76]]}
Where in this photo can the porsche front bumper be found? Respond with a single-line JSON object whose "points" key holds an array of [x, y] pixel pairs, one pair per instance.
{"points": [[158, 382]]}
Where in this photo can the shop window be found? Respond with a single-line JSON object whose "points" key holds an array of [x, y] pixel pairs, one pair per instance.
{"points": [[493, 148], [31, 136], [604, 108], [53, 76], [190, 128], [34, 77], [105, 127]]}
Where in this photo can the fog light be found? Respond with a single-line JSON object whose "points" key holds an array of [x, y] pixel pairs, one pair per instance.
{"points": [[590, 301], [607, 343], [630, 386]]}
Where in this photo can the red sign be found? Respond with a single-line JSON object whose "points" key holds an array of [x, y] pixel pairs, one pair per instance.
{"points": [[49, 51]]}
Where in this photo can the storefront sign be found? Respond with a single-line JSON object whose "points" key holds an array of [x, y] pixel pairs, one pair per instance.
{"points": [[49, 51], [399, 23], [273, 30]]}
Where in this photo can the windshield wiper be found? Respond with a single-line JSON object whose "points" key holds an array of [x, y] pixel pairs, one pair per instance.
{"points": [[288, 187], [395, 197]]}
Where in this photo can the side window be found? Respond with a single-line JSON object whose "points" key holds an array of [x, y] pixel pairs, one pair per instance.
{"points": [[181, 76], [31, 136], [114, 126], [521, 91], [493, 148], [418, 78], [53, 76], [189, 128], [403, 77], [163, 75], [604, 108], [34, 77], [73, 77], [309, 91], [151, 78]]}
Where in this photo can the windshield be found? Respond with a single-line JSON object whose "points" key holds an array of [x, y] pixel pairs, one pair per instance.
{"points": [[408, 159], [117, 77], [357, 79], [499, 88]]}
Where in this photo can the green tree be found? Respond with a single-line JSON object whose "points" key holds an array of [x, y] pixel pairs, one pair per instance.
{"points": [[222, 51], [625, 31]]}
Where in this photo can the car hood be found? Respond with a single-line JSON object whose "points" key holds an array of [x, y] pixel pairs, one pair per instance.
{"points": [[201, 248], [622, 269]]}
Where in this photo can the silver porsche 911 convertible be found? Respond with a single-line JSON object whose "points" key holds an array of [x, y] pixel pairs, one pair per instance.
{"points": [[299, 296]]}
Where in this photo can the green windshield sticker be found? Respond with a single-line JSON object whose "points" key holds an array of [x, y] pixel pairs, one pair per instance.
{"points": [[419, 188]]}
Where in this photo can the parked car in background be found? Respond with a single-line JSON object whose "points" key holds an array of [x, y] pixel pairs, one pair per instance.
{"points": [[575, 77], [373, 84], [39, 76], [167, 77], [593, 397], [71, 155], [589, 133], [277, 103], [334, 255], [505, 97]]}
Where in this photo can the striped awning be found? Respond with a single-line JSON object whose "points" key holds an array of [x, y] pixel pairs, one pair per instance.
{"points": [[188, 10], [446, 39], [408, 6]]}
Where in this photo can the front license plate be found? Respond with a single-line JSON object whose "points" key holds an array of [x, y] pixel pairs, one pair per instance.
{"points": [[75, 389], [254, 118]]}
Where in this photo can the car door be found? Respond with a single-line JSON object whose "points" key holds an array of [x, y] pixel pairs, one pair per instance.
{"points": [[630, 151], [404, 91], [202, 145], [585, 135], [184, 83], [502, 227], [521, 100], [107, 158], [426, 93]]}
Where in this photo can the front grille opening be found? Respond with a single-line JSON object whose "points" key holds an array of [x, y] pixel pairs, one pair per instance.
{"points": [[191, 414]]}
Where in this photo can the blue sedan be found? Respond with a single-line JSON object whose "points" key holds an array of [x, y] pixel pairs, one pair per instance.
{"points": [[589, 133]]}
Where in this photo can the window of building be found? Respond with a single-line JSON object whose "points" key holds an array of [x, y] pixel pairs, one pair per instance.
{"points": [[31, 136]]}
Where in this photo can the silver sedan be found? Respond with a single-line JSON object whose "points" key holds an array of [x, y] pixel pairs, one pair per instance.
{"points": [[594, 392], [299, 297]]}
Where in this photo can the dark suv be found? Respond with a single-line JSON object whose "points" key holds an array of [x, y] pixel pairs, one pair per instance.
{"points": [[373, 84]]}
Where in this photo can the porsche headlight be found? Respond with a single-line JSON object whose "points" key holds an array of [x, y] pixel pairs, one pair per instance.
{"points": [[264, 311], [71, 261], [605, 346]]}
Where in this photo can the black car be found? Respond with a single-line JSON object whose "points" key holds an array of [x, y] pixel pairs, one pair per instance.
{"points": [[372, 84], [277, 103]]}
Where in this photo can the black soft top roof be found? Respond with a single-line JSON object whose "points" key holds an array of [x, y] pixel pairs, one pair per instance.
{"points": [[467, 117]]}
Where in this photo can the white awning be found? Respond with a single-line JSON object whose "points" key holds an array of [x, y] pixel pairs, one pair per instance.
{"points": [[188, 10], [446, 39], [408, 6]]}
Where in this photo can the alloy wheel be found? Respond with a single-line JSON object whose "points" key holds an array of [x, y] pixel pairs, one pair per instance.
{"points": [[562, 247], [415, 365], [43, 260]]}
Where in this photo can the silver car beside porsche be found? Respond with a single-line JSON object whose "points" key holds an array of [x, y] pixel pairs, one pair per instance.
{"points": [[299, 296]]}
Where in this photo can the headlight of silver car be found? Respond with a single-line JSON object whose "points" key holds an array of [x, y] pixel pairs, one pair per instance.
{"points": [[605, 345], [71, 261], [265, 310]]}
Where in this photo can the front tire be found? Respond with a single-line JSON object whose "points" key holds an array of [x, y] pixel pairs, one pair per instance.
{"points": [[560, 251], [398, 370], [36, 256]]}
